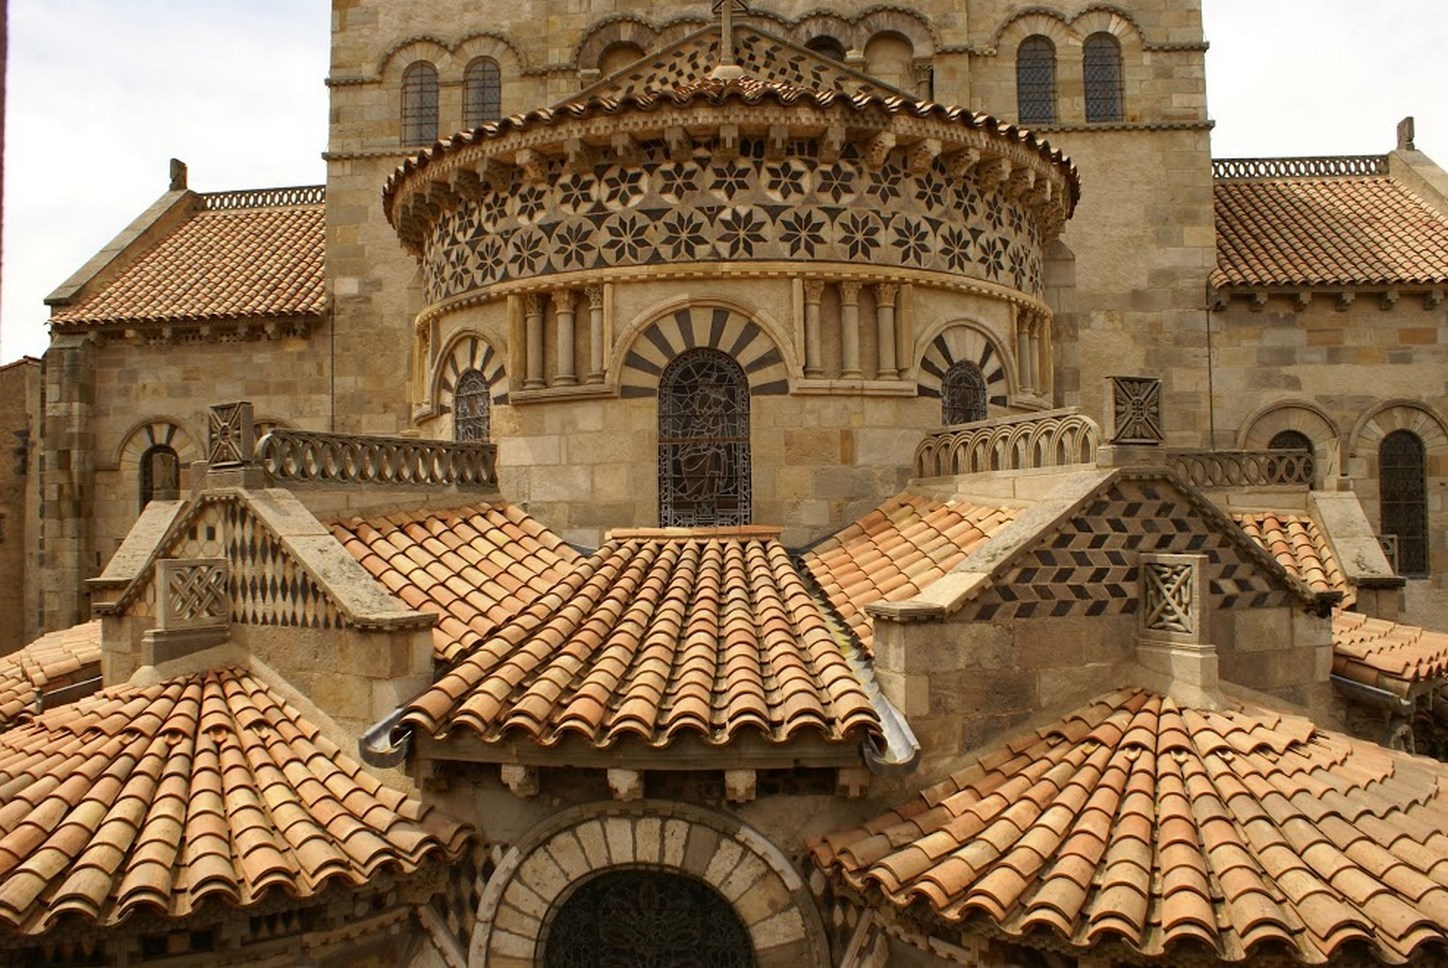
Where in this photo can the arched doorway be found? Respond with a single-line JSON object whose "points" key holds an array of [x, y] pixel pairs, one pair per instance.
{"points": [[641, 918]]}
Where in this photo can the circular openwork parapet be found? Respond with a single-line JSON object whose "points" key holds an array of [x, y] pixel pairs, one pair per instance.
{"points": [[723, 871]]}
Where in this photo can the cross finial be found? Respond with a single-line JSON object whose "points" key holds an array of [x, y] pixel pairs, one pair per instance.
{"points": [[726, 9]]}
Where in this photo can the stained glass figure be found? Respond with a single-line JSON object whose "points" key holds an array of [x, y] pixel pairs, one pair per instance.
{"points": [[963, 396], [704, 472], [1403, 498], [471, 407]]}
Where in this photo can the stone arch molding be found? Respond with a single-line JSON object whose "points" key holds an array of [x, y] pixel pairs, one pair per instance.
{"points": [[1393, 415], [957, 342], [467, 351], [1064, 30], [537, 875], [649, 347], [147, 434]]}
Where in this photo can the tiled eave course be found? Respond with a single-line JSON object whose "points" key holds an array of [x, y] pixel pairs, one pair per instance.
{"points": [[1179, 834], [208, 788], [583, 132], [49, 671], [1403, 659]]}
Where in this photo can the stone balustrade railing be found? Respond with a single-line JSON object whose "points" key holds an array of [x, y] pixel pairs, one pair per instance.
{"points": [[1335, 166], [1054, 438], [312, 457], [1243, 468]]}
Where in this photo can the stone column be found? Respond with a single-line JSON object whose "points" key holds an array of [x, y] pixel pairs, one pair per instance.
{"points": [[533, 325], [567, 374], [885, 328], [1023, 354], [595, 333], [1035, 357], [850, 329], [813, 290]]}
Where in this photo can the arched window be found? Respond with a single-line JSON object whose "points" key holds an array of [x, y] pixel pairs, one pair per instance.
{"points": [[1036, 80], [160, 474], [419, 104], [1289, 440], [1403, 498], [617, 56], [471, 407], [962, 394], [1101, 67], [704, 473], [482, 92], [827, 46], [646, 917]]}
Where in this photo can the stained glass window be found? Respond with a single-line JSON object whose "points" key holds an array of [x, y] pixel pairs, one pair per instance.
{"points": [[1289, 440], [704, 473], [160, 474], [482, 92], [470, 407], [962, 394], [630, 918], [1101, 66], [1036, 80], [419, 104], [1403, 498]]}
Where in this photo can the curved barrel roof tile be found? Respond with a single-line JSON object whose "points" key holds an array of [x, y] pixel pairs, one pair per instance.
{"points": [[1386, 654], [1133, 818], [203, 788], [710, 632], [50, 664]]}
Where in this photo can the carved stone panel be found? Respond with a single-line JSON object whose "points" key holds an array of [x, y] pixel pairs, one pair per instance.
{"points": [[1135, 410], [230, 435], [193, 592], [1173, 598]]}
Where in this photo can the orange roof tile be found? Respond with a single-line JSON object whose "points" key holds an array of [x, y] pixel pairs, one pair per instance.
{"points": [[1299, 546], [896, 550], [658, 634], [1243, 830], [473, 567], [1386, 654], [225, 263], [201, 788], [46, 666], [1366, 230]]}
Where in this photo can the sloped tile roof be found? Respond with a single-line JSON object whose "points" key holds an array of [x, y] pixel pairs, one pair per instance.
{"points": [[50, 663], [896, 550], [1244, 830], [1299, 546], [1353, 231], [218, 264], [1386, 654], [201, 788], [473, 567], [660, 634]]}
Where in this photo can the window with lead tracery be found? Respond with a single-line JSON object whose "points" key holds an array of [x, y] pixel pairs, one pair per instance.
{"points": [[482, 92], [704, 466], [1403, 498], [963, 397], [471, 407], [419, 104], [1101, 69], [1036, 80]]}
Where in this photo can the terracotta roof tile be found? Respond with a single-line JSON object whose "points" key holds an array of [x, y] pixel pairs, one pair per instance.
{"points": [[1136, 819], [473, 567], [1386, 654], [1299, 546], [896, 550], [658, 634], [69, 657], [226, 263], [200, 788], [1367, 230]]}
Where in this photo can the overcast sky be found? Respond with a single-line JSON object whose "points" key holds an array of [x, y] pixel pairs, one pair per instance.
{"points": [[103, 92]]}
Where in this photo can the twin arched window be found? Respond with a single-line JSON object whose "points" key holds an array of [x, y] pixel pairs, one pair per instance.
{"points": [[419, 104], [471, 407], [963, 396], [1403, 498], [704, 467], [1101, 74], [482, 92]]}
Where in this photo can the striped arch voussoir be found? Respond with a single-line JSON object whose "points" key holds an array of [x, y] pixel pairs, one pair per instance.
{"points": [[964, 344], [470, 352], [693, 327]]}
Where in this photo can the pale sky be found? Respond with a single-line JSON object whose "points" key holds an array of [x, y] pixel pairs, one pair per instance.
{"points": [[102, 93]]}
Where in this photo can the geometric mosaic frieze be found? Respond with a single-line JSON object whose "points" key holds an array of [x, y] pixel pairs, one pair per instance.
{"points": [[193, 593], [1135, 410], [230, 435], [664, 210], [1172, 605]]}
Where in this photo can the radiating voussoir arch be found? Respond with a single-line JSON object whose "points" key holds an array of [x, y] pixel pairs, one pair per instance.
{"points": [[963, 343], [723, 328], [465, 352]]}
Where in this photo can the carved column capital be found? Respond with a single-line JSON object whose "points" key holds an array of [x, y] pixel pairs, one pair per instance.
{"points": [[885, 293], [814, 289], [595, 296]]}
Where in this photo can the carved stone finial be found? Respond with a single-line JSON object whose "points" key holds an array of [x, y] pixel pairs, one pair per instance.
{"points": [[178, 174], [1405, 134], [230, 435]]}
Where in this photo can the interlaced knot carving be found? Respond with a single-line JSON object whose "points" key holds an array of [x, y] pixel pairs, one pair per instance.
{"points": [[196, 592], [1168, 592]]}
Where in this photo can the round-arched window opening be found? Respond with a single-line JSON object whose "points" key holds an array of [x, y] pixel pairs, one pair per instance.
{"points": [[1290, 440], [963, 394], [637, 918], [827, 46]]}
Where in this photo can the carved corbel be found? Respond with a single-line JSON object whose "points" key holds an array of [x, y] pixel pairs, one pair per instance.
{"points": [[922, 154], [626, 148], [467, 184], [533, 164], [521, 780], [958, 163], [1388, 299], [1258, 301], [992, 173], [776, 143], [581, 156], [1344, 300], [681, 146], [726, 148], [440, 193], [878, 149], [832, 143], [496, 174], [1432, 298], [1301, 299], [1021, 181]]}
